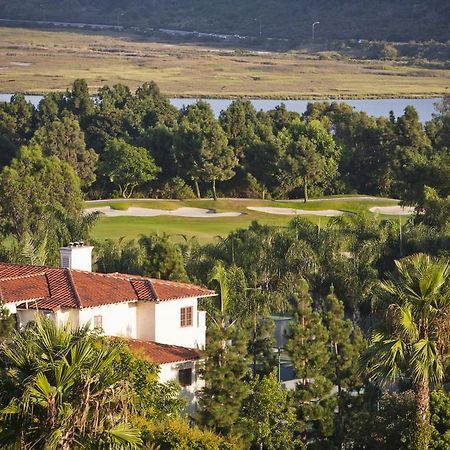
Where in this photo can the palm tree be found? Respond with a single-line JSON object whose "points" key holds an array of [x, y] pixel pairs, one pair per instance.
{"points": [[415, 341], [59, 389]]}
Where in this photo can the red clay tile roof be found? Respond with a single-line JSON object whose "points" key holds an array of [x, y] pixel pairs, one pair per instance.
{"points": [[163, 353], [51, 288]]}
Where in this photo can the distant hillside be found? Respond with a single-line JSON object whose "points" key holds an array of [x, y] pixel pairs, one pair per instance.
{"points": [[393, 20]]}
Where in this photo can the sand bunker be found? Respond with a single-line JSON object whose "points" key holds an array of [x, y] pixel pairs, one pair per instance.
{"points": [[148, 212], [396, 210], [297, 212]]}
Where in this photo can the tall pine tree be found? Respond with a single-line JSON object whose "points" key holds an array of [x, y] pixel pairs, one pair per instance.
{"points": [[346, 343], [309, 351], [225, 372]]}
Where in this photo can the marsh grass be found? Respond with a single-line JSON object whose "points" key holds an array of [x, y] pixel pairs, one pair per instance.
{"points": [[53, 59]]}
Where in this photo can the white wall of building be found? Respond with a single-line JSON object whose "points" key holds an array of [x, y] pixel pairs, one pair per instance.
{"points": [[168, 329], [148, 321], [25, 315], [169, 372], [117, 319], [145, 321]]}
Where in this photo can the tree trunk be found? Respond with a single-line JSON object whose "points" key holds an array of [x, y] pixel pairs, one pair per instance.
{"points": [[214, 189], [305, 189], [197, 189], [254, 344], [422, 435]]}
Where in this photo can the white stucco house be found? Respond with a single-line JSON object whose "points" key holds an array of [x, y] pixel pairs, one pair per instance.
{"points": [[159, 318]]}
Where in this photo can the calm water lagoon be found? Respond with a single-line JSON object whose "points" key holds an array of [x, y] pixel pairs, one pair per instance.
{"points": [[376, 107]]}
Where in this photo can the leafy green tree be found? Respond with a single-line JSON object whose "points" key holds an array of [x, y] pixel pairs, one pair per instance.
{"points": [[240, 122], [411, 152], [261, 346], [311, 157], [163, 259], [303, 165], [59, 390], [50, 108], [152, 108], [308, 348], [126, 166], [385, 424], [225, 372], [17, 120], [178, 434], [74, 228], [7, 324], [267, 418], [201, 147], [440, 420], [414, 343], [435, 210], [78, 100], [30, 250], [263, 160], [32, 185], [120, 255], [64, 139]]}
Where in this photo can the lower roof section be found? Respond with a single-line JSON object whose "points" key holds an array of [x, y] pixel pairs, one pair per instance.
{"points": [[163, 353]]}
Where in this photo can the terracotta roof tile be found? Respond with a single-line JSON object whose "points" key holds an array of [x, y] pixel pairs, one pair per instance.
{"points": [[171, 290], [22, 288], [163, 353], [52, 288]]}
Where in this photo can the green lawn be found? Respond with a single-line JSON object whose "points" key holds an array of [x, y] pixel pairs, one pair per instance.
{"points": [[207, 229]]}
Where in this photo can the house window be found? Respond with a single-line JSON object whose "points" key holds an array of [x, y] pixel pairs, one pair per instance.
{"points": [[98, 322], [185, 377], [186, 316]]}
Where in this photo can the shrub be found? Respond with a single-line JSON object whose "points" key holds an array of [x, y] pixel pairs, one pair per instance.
{"points": [[176, 434]]}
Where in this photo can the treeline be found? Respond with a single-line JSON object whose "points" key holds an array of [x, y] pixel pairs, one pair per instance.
{"points": [[137, 144], [385, 20]]}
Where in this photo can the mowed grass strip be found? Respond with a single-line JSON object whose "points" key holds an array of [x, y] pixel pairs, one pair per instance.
{"points": [[42, 61], [209, 229], [204, 229]]}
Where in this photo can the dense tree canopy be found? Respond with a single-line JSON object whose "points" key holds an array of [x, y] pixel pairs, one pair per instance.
{"points": [[34, 184]]}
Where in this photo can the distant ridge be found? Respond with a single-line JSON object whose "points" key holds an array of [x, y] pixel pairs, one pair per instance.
{"points": [[399, 20]]}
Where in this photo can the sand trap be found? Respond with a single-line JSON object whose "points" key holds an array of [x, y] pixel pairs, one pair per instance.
{"points": [[297, 212], [396, 210], [20, 64], [148, 212]]}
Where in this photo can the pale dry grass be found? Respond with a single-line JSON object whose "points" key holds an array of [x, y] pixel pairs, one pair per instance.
{"points": [[55, 58]]}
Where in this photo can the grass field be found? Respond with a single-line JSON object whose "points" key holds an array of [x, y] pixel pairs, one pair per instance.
{"points": [[35, 61], [208, 229]]}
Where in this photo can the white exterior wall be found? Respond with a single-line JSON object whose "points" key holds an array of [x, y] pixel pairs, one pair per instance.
{"points": [[61, 317], [169, 372], [71, 316], [168, 329], [145, 321], [148, 321], [11, 307], [26, 315], [117, 320]]}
